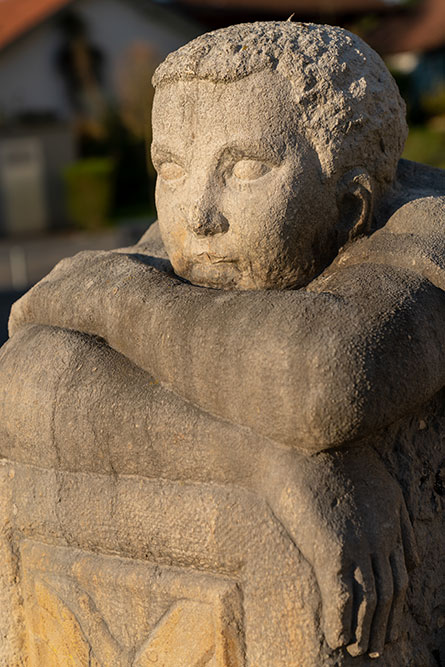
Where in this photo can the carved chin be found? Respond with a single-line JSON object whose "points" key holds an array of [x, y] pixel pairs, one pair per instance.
{"points": [[228, 275], [224, 275], [221, 275]]}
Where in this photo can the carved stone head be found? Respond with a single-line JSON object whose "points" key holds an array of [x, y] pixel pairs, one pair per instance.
{"points": [[272, 142]]}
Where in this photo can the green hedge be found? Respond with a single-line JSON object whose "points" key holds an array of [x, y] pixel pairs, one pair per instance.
{"points": [[426, 144]]}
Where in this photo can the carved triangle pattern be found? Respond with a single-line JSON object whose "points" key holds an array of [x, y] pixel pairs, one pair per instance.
{"points": [[185, 635], [66, 626]]}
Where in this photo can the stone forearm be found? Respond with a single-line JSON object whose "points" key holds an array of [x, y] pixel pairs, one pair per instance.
{"points": [[311, 370], [308, 370], [169, 436]]}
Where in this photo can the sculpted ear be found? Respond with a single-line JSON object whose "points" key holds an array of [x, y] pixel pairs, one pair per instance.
{"points": [[355, 203]]}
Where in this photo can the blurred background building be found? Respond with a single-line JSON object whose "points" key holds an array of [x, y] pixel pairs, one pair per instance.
{"points": [[75, 95], [74, 88]]}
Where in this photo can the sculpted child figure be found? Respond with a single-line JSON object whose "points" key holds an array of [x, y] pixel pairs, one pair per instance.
{"points": [[293, 286]]}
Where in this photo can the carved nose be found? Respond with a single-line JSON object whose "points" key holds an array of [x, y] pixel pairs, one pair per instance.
{"points": [[207, 221]]}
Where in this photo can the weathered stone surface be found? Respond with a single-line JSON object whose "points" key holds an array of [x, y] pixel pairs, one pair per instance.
{"points": [[248, 475]]}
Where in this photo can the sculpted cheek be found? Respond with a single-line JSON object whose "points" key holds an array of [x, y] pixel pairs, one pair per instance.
{"points": [[174, 236], [179, 263], [179, 235]]}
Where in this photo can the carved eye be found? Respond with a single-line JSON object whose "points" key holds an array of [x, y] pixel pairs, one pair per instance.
{"points": [[250, 170], [170, 171]]}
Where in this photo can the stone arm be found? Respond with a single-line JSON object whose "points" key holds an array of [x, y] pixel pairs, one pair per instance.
{"points": [[84, 407], [386, 335], [312, 369], [413, 238]]}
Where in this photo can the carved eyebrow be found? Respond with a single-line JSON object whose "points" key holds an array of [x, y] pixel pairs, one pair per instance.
{"points": [[162, 153], [265, 152]]}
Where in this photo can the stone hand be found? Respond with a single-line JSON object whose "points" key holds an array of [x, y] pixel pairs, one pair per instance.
{"points": [[312, 370], [85, 292], [348, 517]]}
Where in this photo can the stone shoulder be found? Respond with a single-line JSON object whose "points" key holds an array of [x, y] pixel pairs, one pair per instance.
{"points": [[413, 236]]}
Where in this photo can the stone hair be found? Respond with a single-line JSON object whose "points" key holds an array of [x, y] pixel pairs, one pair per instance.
{"points": [[346, 100]]}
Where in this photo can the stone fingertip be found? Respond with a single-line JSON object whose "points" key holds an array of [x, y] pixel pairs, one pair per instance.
{"points": [[336, 640], [355, 649]]}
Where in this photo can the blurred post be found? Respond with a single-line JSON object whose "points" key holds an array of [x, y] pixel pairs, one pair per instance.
{"points": [[18, 267], [22, 184]]}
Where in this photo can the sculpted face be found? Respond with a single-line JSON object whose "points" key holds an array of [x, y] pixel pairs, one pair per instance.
{"points": [[239, 193]]}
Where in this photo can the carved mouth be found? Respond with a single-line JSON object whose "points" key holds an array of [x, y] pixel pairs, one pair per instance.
{"points": [[205, 258]]}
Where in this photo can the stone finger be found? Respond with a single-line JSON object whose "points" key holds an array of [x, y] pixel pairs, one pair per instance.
{"points": [[365, 601], [400, 579], [409, 540], [383, 576], [337, 601]]}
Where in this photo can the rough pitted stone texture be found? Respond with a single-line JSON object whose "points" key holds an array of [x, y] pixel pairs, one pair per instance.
{"points": [[97, 499], [345, 96], [199, 467]]}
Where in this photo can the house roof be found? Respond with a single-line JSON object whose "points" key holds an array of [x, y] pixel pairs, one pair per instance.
{"points": [[404, 27], [297, 6], [422, 29], [417, 30], [19, 16]]}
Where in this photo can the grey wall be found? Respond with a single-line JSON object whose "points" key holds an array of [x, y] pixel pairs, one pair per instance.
{"points": [[28, 79], [57, 148], [27, 75]]}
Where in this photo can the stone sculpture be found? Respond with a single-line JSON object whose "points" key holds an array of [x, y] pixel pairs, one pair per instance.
{"points": [[210, 440]]}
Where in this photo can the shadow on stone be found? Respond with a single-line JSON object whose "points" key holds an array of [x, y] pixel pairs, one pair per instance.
{"points": [[7, 298]]}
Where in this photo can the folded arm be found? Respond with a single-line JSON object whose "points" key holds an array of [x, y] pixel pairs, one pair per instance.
{"points": [[312, 370], [341, 508]]}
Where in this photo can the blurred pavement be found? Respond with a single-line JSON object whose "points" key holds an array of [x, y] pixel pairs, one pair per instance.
{"points": [[23, 262]]}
